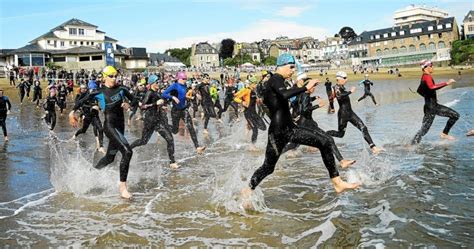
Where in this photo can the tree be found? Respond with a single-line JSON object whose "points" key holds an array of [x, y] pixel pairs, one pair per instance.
{"points": [[227, 48], [182, 54], [270, 61], [347, 33], [462, 51]]}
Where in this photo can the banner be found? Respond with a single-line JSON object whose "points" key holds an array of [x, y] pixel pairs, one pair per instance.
{"points": [[109, 54]]}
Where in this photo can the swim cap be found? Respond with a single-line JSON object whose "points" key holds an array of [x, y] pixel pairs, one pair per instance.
{"points": [[285, 59], [152, 79], [109, 70], [181, 75], [341, 74], [426, 63]]}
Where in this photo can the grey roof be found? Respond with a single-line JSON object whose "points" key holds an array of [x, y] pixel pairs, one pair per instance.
{"points": [[162, 57], [78, 50], [120, 47], [471, 14], [137, 53], [30, 48], [423, 25], [107, 38], [75, 22], [360, 39], [5, 51], [205, 48]]}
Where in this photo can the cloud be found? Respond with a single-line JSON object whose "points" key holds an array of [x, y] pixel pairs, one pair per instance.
{"points": [[262, 29], [289, 11]]}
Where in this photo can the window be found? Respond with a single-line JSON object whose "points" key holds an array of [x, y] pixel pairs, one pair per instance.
{"points": [[49, 42], [412, 48], [84, 58], [385, 35], [59, 59], [402, 32], [62, 43], [377, 44], [75, 42], [394, 34], [440, 26], [70, 42], [24, 60], [386, 51], [431, 46], [441, 44], [37, 60], [377, 36], [440, 35], [422, 47], [470, 28], [87, 43], [92, 43], [448, 25], [81, 31], [430, 28], [413, 31], [394, 50], [97, 57], [403, 49], [430, 36], [378, 52], [72, 31], [371, 37], [82, 43]]}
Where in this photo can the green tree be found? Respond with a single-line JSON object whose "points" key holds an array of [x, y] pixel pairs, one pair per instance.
{"points": [[182, 54], [270, 61], [462, 51]]}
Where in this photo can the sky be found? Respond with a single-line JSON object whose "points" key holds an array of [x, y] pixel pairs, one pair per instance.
{"points": [[162, 24]]}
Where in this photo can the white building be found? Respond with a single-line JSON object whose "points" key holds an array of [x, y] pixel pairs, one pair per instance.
{"points": [[311, 51], [416, 14], [335, 48], [203, 55], [468, 25], [75, 44], [250, 49]]}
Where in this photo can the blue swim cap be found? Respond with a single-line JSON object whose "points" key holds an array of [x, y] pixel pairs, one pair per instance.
{"points": [[285, 59], [152, 79]]}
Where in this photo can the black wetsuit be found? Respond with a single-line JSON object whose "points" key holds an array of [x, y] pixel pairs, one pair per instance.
{"points": [[110, 101], [50, 107], [5, 106], [12, 78], [206, 103], [229, 100], [282, 130], [346, 114], [254, 120], [194, 102], [328, 86], [37, 93], [304, 111], [138, 95], [62, 97], [431, 108], [155, 119], [91, 116], [367, 84], [22, 90]]}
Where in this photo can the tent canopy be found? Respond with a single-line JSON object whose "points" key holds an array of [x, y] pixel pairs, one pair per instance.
{"points": [[248, 64]]}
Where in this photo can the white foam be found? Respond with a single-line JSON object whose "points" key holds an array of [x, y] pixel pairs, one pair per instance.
{"points": [[452, 103]]}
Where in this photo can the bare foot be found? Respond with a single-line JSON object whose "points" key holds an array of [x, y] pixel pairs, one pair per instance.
{"points": [[174, 165], [6, 139], [470, 133], [346, 163], [246, 195], [310, 149], [200, 150], [220, 121], [446, 136], [205, 131], [124, 191], [253, 148], [341, 186], [376, 150], [101, 150]]}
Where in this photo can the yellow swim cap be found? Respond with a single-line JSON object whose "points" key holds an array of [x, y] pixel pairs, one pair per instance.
{"points": [[109, 70]]}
